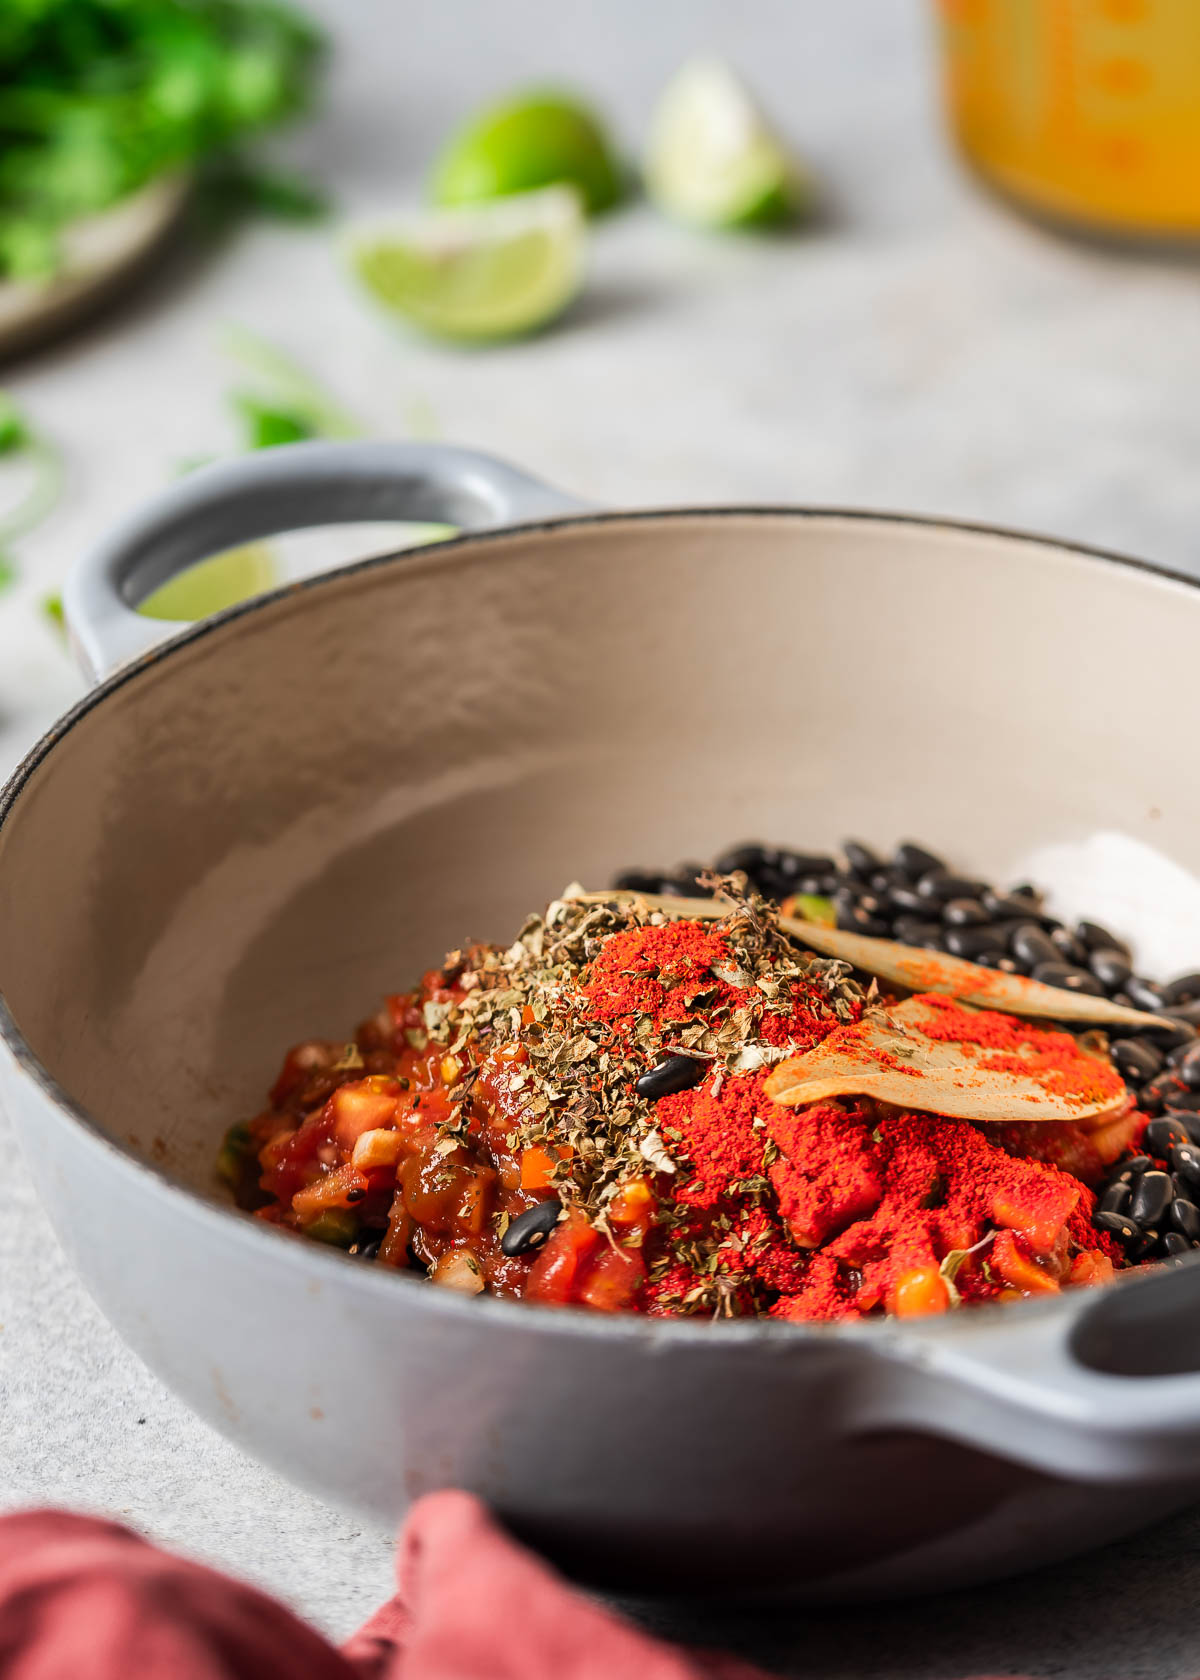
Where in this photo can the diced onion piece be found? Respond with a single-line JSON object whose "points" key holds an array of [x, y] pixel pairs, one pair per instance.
{"points": [[380, 1148], [459, 1269]]}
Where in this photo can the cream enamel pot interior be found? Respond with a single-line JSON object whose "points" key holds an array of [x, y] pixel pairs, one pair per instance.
{"points": [[244, 837]]}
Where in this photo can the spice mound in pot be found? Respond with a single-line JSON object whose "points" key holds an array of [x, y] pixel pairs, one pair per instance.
{"points": [[582, 1119]]}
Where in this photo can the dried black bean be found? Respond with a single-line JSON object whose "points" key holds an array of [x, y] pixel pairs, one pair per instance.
{"points": [[1184, 1159], [366, 1250], [935, 942], [1146, 994], [861, 858], [1070, 979], [1179, 1097], [940, 887], [1110, 967], [860, 921], [1137, 1060], [1161, 1136], [1011, 905], [908, 900], [1150, 1099], [676, 1073], [1184, 989], [1115, 1199], [818, 886], [882, 882], [1008, 965], [531, 1228], [1188, 1065], [1098, 938], [1186, 1012], [914, 861], [637, 880], [1026, 889], [1135, 1164], [1169, 1031], [1150, 1199], [1185, 1217], [964, 912], [976, 944], [1031, 944], [1118, 1225], [911, 930], [1175, 1245], [752, 855], [1070, 949]]}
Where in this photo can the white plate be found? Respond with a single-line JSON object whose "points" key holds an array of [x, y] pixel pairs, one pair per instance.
{"points": [[98, 251]]}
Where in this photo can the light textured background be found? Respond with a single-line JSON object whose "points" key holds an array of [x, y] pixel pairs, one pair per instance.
{"points": [[919, 348]]}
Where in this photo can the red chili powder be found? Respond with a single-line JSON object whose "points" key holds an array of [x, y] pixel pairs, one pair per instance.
{"points": [[855, 1206]]}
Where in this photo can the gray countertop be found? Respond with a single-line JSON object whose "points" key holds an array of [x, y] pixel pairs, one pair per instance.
{"points": [[918, 348]]}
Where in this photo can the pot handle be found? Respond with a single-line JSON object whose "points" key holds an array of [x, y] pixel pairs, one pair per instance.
{"points": [[1097, 1385], [282, 489]]}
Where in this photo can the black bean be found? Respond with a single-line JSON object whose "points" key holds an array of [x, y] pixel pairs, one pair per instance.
{"points": [[1011, 905], [637, 880], [1115, 1199], [914, 861], [1135, 1164], [1175, 1245], [911, 930], [1118, 1225], [1186, 1060], [676, 1073], [1161, 1136], [935, 942], [1184, 1159], [1185, 1216], [1189, 1122], [818, 886], [860, 921], [1146, 994], [1069, 948], [1068, 978], [964, 912], [366, 1250], [1151, 1198], [940, 887], [908, 900], [1137, 1060], [1031, 944], [1150, 1099], [1110, 968], [1008, 965], [531, 1228], [882, 882], [686, 884], [976, 944], [1186, 1012], [750, 857], [861, 858], [1177, 1097], [1098, 938], [1026, 889], [1169, 1031], [1184, 989]]}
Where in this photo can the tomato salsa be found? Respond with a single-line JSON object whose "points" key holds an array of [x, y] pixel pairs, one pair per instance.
{"points": [[583, 1119]]}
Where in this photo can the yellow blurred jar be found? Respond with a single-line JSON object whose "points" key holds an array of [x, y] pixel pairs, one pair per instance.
{"points": [[1086, 109]]}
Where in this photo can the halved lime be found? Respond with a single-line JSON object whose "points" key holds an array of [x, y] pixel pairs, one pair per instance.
{"points": [[485, 271], [538, 139], [213, 584], [713, 159]]}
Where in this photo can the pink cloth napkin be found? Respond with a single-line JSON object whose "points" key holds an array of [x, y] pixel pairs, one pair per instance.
{"points": [[82, 1599]]}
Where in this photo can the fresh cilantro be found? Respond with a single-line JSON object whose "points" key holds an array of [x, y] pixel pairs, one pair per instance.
{"points": [[100, 97]]}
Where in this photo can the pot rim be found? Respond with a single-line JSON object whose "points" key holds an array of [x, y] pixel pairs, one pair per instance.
{"points": [[315, 1257]]}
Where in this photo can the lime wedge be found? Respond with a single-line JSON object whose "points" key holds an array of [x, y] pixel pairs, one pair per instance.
{"points": [[712, 158], [485, 271], [213, 584], [538, 139]]}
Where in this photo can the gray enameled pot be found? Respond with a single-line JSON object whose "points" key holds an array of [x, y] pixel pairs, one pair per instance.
{"points": [[245, 836]]}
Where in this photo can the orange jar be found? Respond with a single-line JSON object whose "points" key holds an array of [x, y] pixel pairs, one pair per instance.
{"points": [[1088, 110]]}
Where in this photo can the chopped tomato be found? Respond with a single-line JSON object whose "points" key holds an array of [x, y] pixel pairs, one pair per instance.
{"points": [[613, 1279], [1016, 1268], [342, 1188], [559, 1267]]}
